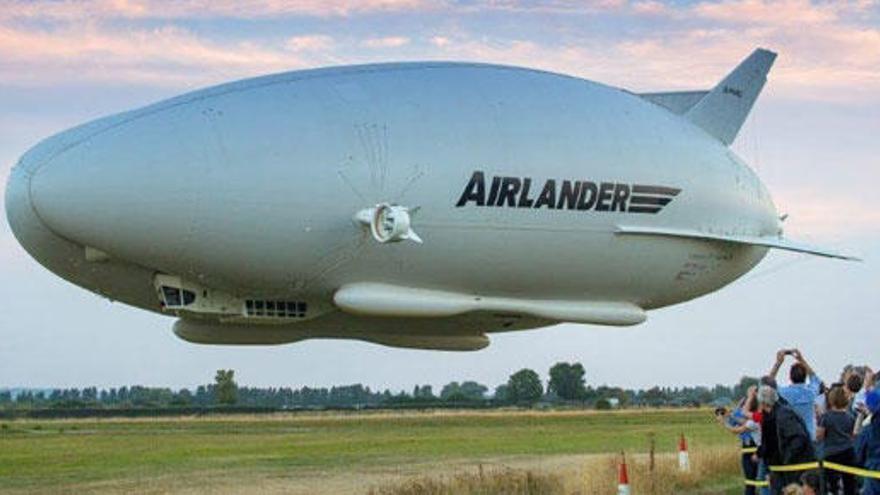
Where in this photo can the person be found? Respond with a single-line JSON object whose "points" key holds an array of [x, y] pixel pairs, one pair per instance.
{"points": [[793, 489], [811, 483], [784, 439], [741, 422], [854, 379], [854, 383], [770, 381], [820, 405], [768, 451], [835, 432], [858, 400], [867, 447], [801, 394]]}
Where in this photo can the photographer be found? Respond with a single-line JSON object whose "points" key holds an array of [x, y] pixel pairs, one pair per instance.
{"points": [[785, 439], [742, 423], [804, 389]]}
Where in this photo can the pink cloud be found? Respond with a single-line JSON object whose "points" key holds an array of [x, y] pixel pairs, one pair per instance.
{"points": [[310, 42], [133, 9], [779, 12], [651, 7], [385, 42], [440, 41], [166, 56], [839, 60], [810, 219]]}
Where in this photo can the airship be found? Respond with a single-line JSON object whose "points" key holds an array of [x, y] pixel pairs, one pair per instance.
{"points": [[419, 205]]}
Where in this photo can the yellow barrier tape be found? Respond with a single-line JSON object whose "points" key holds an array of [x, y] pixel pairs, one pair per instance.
{"points": [[749, 450], [852, 470], [757, 482], [795, 467]]}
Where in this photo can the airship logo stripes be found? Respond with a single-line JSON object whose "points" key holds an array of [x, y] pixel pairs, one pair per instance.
{"points": [[650, 199], [582, 195]]}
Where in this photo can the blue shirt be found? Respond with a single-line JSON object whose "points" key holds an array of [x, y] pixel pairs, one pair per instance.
{"points": [[800, 397], [738, 414], [868, 454]]}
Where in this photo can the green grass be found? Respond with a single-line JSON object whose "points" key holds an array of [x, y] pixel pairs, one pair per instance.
{"points": [[62, 455]]}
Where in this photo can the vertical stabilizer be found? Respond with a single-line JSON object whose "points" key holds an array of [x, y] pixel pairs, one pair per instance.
{"points": [[722, 112]]}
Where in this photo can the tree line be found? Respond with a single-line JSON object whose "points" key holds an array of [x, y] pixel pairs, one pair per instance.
{"points": [[566, 385]]}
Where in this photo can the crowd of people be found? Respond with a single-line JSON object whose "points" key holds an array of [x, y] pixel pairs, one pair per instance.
{"points": [[805, 437]]}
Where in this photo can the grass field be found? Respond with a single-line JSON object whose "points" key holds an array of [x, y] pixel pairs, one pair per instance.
{"points": [[335, 453]]}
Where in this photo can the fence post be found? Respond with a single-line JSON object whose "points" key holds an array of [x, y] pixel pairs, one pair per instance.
{"points": [[652, 448]]}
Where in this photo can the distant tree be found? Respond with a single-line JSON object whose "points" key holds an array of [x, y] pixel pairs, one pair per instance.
{"points": [[703, 395], [655, 397], [501, 393], [603, 404], [721, 391], [225, 388], [90, 394], [202, 397], [524, 387], [740, 389], [425, 392], [473, 390], [567, 381], [451, 390], [465, 391], [124, 396], [182, 398]]}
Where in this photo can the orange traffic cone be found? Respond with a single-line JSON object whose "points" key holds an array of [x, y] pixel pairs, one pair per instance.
{"points": [[683, 460], [622, 477]]}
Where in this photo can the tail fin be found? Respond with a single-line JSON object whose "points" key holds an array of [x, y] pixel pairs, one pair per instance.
{"points": [[722, 112]]}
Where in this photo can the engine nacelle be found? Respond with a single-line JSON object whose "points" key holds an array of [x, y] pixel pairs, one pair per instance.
{"points": [[389, 223], [186, 298], [203, 332]]}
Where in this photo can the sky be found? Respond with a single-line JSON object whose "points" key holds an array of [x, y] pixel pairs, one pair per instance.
{"points": [[813, 138]]}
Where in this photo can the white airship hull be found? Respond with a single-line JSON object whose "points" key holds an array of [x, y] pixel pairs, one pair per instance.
{"points": [[517, 182]]}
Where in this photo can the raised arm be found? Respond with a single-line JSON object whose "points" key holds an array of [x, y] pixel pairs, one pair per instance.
{"points": [[780, 358], [800, 359], [751, 398]]}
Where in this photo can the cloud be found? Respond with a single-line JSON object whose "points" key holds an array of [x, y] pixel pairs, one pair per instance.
{"points": [[165, 56], [836, 62], [159, 9], [312, 42], [385, 42], [651, 7], [563, 7], [69, 10], [779, 12], [439, 41], [687, 45], [815, 214]]}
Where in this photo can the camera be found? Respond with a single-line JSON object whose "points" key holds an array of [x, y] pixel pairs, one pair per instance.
{"points": [[720, 411]]}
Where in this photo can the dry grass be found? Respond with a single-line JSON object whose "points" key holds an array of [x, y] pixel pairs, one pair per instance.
{"points": [[707, 467], [597, 477], [501, 481], [366, 415]]}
